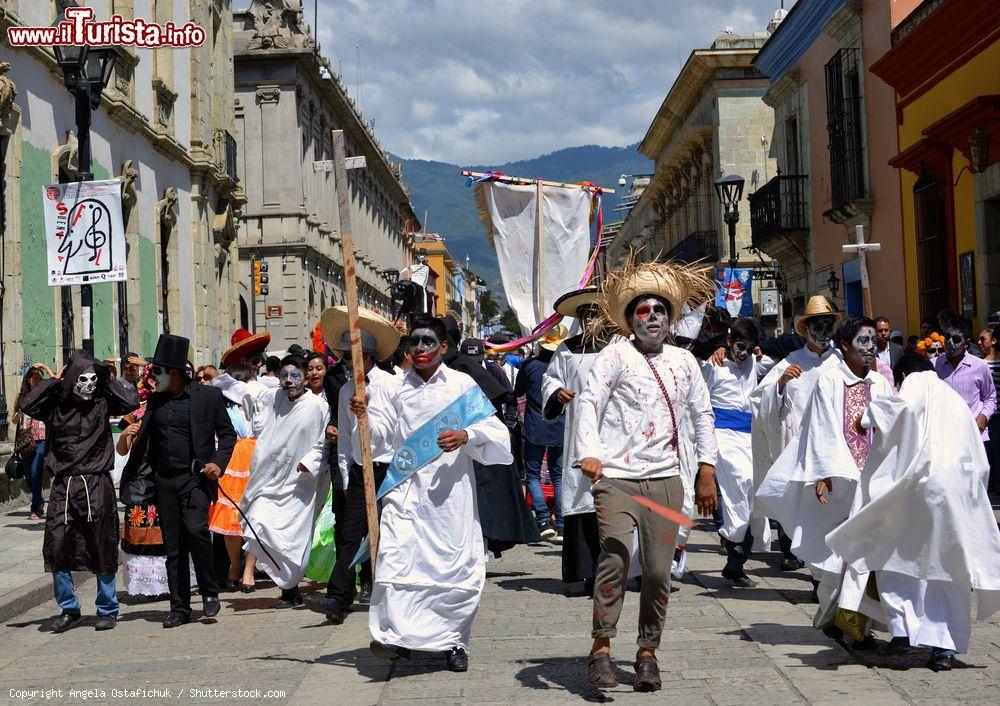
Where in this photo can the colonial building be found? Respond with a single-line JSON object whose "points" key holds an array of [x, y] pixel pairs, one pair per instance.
{"points": [[165, 127], [289, 102], [712, 123], [834, 133], [944, 66]]}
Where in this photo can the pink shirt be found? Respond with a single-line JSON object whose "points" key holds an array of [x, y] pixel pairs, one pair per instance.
{"points": [[972, 380]]}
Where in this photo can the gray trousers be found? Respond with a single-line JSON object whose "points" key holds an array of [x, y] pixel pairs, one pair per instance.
{"points": [[617, 517]]}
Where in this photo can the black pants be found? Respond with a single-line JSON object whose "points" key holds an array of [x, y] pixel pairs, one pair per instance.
{"points": [[785, 543], [349, 530], [738, 552], [183, 504]]}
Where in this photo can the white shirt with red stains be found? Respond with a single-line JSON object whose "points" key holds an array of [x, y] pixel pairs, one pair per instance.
{"points": [[627, 424]]}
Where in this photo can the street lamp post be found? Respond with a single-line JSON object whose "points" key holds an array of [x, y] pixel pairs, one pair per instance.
{"points": [[86, 71], [730, 191]]}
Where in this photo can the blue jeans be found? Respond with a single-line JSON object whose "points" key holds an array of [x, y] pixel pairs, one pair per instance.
{"points": [[107, 601], [33, 468], [533, 454]]}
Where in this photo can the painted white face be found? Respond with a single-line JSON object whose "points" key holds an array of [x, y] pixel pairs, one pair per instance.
{"points": [[820, 330], [86, 384], [426, 348], [650, 323], [292, 380], [934, 350], [862, 350], [741, 350], [955, 342], [160, 377]]}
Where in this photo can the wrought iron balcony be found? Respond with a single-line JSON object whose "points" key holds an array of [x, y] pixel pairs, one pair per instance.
{"points": [[700, 245], [778, 207]]}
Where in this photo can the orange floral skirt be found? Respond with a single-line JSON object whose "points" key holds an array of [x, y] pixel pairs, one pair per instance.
{"points": [[223, 517]]}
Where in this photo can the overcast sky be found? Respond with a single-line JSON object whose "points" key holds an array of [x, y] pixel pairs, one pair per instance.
{"points": [[473, 82]]}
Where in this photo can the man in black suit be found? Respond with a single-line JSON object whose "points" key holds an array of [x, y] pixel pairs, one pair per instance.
{"points": [[177, 444], [887, 351]]}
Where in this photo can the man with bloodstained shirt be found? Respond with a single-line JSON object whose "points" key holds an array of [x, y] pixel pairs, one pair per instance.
{"points": [[810, 488], [638, 396], [431, 566], [779, 401]]}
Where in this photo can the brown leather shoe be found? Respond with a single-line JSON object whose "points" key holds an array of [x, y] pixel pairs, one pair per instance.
{"points": [[600, 671], [647, 674]]}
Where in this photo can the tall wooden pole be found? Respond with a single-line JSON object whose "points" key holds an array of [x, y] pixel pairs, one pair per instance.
{"points": [[354, 322]]}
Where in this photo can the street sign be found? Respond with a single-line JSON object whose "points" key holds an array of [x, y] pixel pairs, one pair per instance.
{"points": [[275, 311], [84, 235], [769, 302]]}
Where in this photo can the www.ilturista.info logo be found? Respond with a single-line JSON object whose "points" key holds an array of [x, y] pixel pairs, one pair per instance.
{"points": [[79, 29]]}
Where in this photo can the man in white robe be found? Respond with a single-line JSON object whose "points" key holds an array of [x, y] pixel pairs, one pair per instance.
{"points": [[431, 563], [279, 501], [810, 488], [779, 402], [921, 525], [729, 386]]}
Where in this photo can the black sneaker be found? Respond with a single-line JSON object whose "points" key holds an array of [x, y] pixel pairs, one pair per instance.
{"points": [[174, 619], [941, 662], [293, 601], [458, 660], [792, 564], [739, 578], [365, 594], [336, 613], [64, 622], [547, 531]]}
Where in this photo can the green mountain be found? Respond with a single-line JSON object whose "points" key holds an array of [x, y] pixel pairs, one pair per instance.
{"points": [[439, 189]]}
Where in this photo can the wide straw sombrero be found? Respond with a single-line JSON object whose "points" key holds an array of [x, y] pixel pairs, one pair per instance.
{"points": [[244, 343], [569, 302], [818, 306], [553, 337], [335, 324], [674, 282]]}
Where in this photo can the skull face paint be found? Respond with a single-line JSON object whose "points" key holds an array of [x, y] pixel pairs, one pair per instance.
{"points": [[649, 322], [292, 380], [955, 342], [740, 349], [819, 330], [426, 348], [862, 350], [160, 377], [86, 384]]}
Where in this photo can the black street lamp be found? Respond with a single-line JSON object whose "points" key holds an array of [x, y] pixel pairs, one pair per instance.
{"points": [[730, 191], [833, 283], [86, 71]]}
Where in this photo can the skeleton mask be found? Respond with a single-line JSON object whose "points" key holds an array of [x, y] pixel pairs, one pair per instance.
{"points": [[955, 342], [820, 331], [86, 384], [426, 347], [650, 323], [293, 381], [934, 351], [741, 350], [160, 377], [862, 349]]}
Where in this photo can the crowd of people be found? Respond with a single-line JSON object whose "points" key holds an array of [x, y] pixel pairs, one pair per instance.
{"points": [[867, 456]]}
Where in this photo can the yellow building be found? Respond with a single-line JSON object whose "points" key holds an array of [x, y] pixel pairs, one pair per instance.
{"points": [[943, 65]]}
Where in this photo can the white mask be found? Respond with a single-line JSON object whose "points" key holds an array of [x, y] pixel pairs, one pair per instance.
{"points": [[86, 384], [160, 376]]}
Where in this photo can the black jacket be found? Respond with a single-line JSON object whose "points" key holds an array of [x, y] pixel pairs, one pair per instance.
{"points": [[209, 424]]}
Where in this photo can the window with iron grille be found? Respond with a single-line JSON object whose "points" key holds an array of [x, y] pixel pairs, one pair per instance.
{"points": [[845, 127], [932, 248]]}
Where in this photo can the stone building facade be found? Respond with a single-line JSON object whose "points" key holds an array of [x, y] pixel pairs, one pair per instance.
{"points": [[164, 126], [289, 102], [712, 123]]}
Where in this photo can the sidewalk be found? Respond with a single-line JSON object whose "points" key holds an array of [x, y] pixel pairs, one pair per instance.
{"points": [[23, 581]]}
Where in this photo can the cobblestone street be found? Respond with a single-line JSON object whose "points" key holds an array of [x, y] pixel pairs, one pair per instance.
{"points": [[722, 646]]}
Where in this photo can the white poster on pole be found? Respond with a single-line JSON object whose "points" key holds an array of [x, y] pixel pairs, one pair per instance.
{"points": [[563, 254], [84, 234]]}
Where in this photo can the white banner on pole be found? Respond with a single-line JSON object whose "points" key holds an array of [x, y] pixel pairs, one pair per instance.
{"points": [[564, 252], [84, 234]]}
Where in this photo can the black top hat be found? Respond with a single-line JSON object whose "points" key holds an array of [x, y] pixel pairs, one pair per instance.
{"points": [[171, 351]]}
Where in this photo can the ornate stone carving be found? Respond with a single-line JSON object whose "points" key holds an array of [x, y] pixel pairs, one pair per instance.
{"points": [[268, 94], [67, 156], [278, 24], [8, 90], [129, 175], [164, 100], [167, 208]]}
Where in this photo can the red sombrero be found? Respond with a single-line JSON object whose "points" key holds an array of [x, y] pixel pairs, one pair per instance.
{"points": [[244, 343]]}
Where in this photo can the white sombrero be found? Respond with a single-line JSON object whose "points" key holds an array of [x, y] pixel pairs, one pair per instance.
{"points": [[335, 324], [569, 302]]}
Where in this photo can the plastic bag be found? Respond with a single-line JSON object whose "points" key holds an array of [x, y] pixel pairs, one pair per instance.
{"points": [[323, 555]]}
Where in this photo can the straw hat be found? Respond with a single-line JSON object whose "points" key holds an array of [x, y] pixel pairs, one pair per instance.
{"points": [[553, 337], [818, 306], [569, 302], [676, 283], [335, 325], [244, 343]]}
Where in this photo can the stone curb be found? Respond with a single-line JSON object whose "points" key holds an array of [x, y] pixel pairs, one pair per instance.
{"points": [[36, 593]]}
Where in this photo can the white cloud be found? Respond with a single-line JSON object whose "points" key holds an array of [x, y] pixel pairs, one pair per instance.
{"points": [[475, 83]]}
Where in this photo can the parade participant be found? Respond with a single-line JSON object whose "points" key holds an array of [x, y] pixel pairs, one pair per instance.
{"points": [[543, 438], [564, 380], [729, 386], [628, 440], [431, 561], [279, 502], [967, 375], [780, 399], [810, 488], [379, 339], [177, 443], [921, 526], [248, 348], [81, 525]]}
